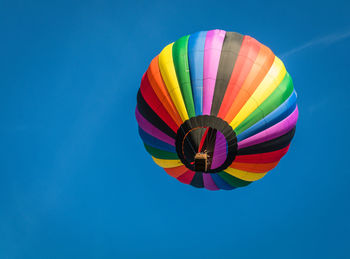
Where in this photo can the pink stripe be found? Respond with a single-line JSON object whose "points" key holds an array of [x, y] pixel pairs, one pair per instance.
{"points": [[275, 131], [209, 183], [150, 129], [212, 51]]}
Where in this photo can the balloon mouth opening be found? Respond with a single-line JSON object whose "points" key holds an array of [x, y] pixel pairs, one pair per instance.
{"points": [[201, 161], [206, 143]]}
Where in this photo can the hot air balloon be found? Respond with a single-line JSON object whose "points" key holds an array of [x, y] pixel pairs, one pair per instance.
{"points": [[216, 110]]}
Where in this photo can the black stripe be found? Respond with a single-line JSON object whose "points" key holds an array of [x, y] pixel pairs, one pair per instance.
{"points": [[269, 146], [229, 53], [197, 180], [147, 112]]}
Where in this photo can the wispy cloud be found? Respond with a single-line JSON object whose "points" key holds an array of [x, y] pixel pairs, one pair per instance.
{"points": [[326, 40]]}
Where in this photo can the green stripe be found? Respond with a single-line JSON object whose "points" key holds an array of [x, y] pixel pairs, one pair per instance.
{"points": [[233, 181], [281, 93], [180, 59], [157, 153]]}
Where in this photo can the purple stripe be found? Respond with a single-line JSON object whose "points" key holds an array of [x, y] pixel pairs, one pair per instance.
{"points": [[275, 131], [209, 183], [219, 155], [212, 52], [152, 130]]}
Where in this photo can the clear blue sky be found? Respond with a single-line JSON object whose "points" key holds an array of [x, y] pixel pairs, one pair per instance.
{"points": [[75, 180]]}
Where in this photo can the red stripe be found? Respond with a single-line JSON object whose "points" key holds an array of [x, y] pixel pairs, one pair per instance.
{"points": [[268, 157], [152, 100], [203, 140], [186, 177]]}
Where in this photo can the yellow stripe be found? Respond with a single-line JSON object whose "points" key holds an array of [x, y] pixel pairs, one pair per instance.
{"points": [[167, 69], [167, 163], [247, 176], [272, 79]]}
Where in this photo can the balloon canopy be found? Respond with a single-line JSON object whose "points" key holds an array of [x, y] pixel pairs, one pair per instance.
{"points": [[216, 109]]}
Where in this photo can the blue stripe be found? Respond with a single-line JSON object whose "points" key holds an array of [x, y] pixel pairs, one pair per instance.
{"points": [[220, 183], [282, 112], [196, 44], [154, 142]]}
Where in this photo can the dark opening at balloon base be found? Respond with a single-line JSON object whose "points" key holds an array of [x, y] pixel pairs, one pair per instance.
{"points": [[201, 162], [206, 143]]}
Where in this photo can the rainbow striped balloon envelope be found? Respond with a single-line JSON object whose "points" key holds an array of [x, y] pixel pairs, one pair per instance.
{"points": [[216, 110]]}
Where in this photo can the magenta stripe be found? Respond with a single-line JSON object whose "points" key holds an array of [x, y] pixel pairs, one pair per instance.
{"points": [[219, 155], [275, 131], [209, 183], [212, 51], [152, 130]]}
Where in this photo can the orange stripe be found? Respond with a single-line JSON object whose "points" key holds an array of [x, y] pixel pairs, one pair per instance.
{"points": [[245, 60], [254, 168], [257, 73], [176, 171], [161, 91]]}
